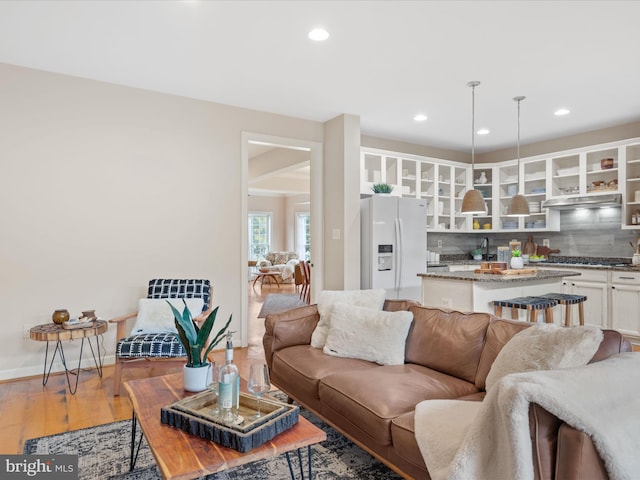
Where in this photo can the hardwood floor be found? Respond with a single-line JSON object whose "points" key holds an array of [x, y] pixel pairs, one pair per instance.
{"points": [[31, 410]]}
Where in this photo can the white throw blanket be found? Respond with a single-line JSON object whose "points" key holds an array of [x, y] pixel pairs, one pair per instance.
{"points": [[463, 440]]}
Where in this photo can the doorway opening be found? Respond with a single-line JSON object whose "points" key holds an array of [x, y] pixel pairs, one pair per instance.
{"points": [[283, 213]]}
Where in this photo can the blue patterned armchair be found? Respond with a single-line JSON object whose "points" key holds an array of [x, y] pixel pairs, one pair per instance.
{"points": [[153, 338]]}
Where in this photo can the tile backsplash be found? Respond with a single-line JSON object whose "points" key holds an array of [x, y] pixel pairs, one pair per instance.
{"points": [[585, 233]]}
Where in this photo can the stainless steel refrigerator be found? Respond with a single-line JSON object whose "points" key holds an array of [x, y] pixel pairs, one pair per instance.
{"points": [[394, 245]]}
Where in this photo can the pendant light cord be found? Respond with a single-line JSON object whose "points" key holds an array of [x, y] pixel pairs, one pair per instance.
{"points": [[473, 86], [518, 99]]}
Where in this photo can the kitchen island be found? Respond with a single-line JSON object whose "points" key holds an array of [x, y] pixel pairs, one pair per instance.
{"points": [[475, 292]]}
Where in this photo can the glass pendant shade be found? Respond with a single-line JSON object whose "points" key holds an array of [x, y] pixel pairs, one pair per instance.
{"points": [[519, 207], [473, 203]]}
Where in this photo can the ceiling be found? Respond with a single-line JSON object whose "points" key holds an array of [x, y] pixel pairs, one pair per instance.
{"points": [[385, 61]]}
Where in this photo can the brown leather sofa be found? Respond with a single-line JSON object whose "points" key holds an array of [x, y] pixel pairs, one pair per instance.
{"points": [[448, 356]]}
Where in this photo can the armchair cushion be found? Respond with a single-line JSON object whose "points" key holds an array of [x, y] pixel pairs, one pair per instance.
{"points": [[155, 315], [156, 345]]}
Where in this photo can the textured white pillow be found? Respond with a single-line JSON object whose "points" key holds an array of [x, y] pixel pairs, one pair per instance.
{"points": [[155, 315], [367, 334], [545, 347], [363, 298]]}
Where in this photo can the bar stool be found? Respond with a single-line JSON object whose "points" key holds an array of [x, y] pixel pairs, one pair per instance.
{"points": [[531, 304], [567, 300]]}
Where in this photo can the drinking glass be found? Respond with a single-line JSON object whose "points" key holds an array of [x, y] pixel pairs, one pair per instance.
{"points": [[258, 383], [212, 386]]}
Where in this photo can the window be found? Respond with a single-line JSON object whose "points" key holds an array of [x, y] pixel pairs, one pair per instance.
{"points": [[303, 235], [259, 235]]}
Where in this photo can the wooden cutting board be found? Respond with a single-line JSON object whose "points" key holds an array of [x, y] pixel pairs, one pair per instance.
{"points": [[509, 271], [529, 247], [545, 251]]}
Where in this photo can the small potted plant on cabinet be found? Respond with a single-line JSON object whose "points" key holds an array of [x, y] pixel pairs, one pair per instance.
{"points": [[382, 188]]}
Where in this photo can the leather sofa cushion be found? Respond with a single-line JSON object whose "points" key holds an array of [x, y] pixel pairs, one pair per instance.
{"points": [[448, 341], [371, 400], [403, 435], [499, 333], [298, 369]]}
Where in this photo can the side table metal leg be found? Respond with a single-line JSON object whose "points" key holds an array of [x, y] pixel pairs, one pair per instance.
{"points": [[98, 362], [67, 371], [45, 373]]}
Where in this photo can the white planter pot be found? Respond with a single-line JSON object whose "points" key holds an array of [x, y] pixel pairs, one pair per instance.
{"points": [[517, 263], [196, 379]]}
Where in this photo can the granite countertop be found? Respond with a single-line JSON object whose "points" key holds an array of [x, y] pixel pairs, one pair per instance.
{"points": [[489, 277], [610, 264]]}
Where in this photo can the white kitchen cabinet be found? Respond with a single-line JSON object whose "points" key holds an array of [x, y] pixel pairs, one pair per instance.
{"points": [[441, 183], [631, 175], [625, 302], [594, 284]]}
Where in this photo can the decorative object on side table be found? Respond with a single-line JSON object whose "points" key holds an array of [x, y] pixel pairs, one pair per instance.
{"points": [[517, 262], [197, 345], [60, 316], [382, 188]]}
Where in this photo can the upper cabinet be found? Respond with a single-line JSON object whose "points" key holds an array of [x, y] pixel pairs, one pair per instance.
{"points": [[585, 173], [631, 174], [598, 170], [441, 183]]}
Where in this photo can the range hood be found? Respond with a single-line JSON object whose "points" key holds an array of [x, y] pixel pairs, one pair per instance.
{"points": [[594, 201]]}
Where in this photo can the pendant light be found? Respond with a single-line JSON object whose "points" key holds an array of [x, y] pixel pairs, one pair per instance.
{"points": [[519, 207], [473, 201]]}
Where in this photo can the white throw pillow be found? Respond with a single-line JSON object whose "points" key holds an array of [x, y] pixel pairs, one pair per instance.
{"points": [[545, 347], [363, 298], [155, 315], [367, 334]]}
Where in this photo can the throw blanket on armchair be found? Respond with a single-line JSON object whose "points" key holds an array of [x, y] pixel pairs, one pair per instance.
{"points": [[490, 439]]}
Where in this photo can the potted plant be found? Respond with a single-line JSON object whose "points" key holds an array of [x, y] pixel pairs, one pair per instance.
{"points": [[382, 188], [517, 261], [197, 344], [476, 254]]}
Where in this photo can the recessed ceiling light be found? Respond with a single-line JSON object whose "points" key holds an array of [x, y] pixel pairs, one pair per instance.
{"points": [[483, 131], [318, 34], [420, 117], [562, 111]]}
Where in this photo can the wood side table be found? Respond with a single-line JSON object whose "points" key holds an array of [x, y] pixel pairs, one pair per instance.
{"points": [[51, 332]]}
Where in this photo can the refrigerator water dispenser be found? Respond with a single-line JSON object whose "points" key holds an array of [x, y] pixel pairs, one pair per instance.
{"points": [[385, 258]]}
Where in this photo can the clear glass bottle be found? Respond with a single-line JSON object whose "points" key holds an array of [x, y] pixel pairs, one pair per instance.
{"points": [[229, 385]]}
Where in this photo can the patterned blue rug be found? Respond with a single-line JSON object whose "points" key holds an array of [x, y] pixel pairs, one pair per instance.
{"points": [[104, 454]]}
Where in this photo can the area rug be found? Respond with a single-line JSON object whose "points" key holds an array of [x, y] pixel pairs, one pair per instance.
{"points": [[276, 303], [104, 454]]}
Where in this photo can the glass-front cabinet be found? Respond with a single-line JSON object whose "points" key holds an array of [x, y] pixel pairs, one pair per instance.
{"points": [[441, 183], [586, 171]]}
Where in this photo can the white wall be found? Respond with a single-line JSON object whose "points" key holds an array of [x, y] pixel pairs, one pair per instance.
{"points": [[105, 187]]}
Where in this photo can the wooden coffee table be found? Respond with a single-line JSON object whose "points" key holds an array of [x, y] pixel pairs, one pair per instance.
{"points": [[181, 455]]}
